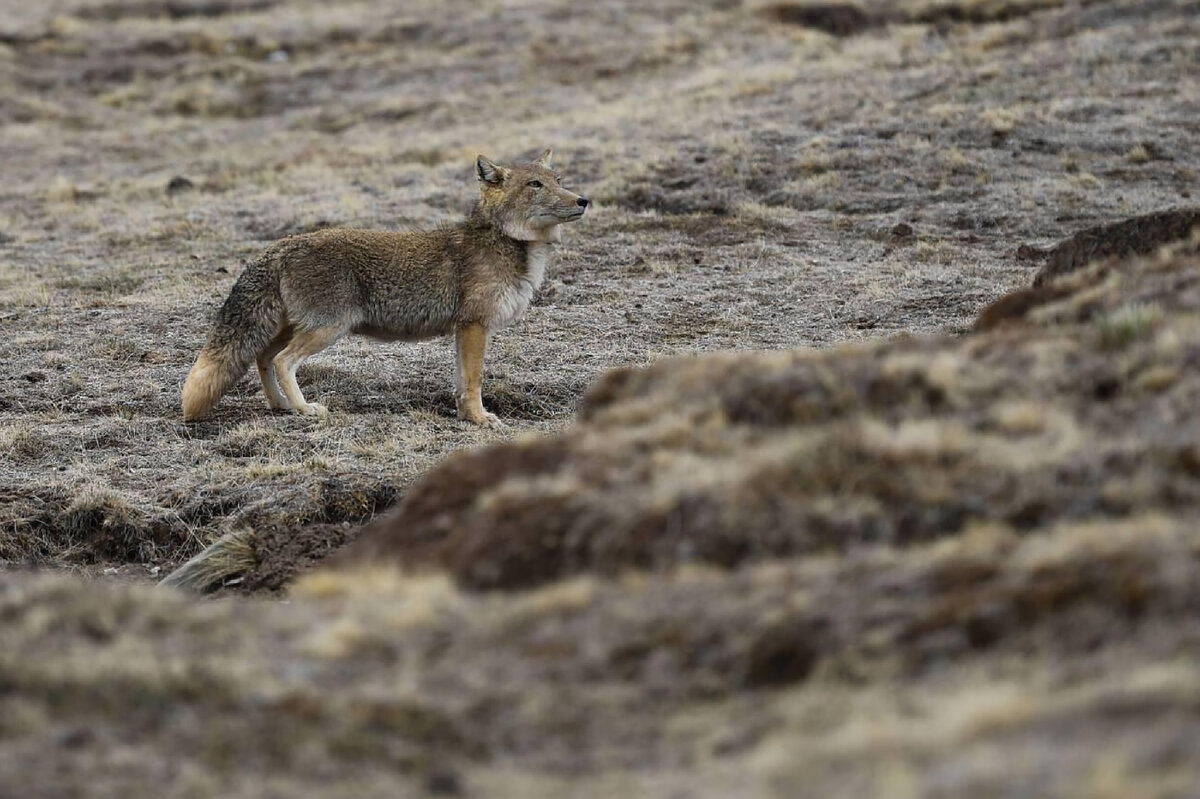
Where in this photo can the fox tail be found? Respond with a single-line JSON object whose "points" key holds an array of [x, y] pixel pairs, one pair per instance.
{"points": [[246, 323]]}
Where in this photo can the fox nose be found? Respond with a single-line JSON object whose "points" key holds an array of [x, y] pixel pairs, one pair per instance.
{"points": [[583, 202]]}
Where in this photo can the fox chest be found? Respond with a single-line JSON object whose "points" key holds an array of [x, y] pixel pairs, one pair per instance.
{"points": [[513, 298]]}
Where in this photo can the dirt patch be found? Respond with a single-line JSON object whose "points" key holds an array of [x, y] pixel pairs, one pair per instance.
{"points": [[976, 11], [173, 9], [849, 19], [280, 554], [837, 19], [1016, 306]]}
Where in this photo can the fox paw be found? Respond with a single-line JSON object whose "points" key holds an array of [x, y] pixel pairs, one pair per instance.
{"points": [[483, 419], [313, 409]]}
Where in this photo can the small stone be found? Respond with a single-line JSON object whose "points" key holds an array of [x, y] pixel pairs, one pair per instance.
{"points": [[74, 738], [782, 654], [179, 183], [443, 782]]}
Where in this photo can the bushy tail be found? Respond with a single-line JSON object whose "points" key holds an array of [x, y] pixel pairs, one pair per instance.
{"points": [[246, 323]]}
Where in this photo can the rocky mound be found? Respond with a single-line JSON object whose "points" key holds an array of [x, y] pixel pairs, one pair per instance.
{"points": [[1137, 236]]}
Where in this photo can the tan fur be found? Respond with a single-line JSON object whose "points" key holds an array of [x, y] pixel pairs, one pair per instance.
{"points": [[306, 292], [202, 388]]}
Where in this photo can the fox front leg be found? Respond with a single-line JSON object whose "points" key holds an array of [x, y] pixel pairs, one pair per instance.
{"points": [[470, 344]]}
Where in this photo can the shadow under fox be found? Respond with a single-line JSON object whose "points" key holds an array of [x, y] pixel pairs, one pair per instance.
{"points": [[305, 292]]}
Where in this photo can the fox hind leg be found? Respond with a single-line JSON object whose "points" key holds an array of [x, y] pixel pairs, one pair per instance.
{"points": [[302, 344], [266, 370]]}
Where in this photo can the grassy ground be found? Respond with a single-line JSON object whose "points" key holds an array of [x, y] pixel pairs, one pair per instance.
{"points": [[749, 173], [936, 565]]}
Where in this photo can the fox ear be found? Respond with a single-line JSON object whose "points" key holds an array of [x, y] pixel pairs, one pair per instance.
{"points": [[544, 158], [489, 172]]}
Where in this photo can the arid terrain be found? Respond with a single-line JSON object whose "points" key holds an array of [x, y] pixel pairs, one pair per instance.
{"points": [[866, 542]]}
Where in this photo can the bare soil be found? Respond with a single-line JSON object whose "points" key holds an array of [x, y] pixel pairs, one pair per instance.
{"points": [[893, 555]]}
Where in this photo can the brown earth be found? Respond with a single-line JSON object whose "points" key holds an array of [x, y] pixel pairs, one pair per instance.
{"points": [[931, 561], [989, 662], [1137, 236]]}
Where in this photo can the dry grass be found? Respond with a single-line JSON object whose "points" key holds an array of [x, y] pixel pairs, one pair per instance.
{"points": [[752, 165], [1004, 646], [102, 246]]}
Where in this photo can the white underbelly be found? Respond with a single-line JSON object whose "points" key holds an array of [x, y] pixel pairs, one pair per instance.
{"points": [[512, 304]]}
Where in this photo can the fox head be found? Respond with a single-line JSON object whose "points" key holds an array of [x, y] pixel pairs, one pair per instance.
{"points": [[526, 201]]}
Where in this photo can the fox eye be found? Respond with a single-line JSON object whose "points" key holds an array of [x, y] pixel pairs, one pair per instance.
{"points": [[537, 184]]}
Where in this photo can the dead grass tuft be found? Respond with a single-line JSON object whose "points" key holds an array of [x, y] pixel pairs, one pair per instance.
{"points": [[1126, 325], [109, 524], [229, 557]]}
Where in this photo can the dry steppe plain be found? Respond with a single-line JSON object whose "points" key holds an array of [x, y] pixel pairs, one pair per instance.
{"points": [[896, 556]]}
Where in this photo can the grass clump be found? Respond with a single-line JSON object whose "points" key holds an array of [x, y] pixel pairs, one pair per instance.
{"points": [[1125, 325]]}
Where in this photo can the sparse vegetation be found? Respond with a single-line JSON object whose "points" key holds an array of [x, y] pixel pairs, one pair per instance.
{"points": [[817, 571], [1127, 324], [1138, 154]]}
